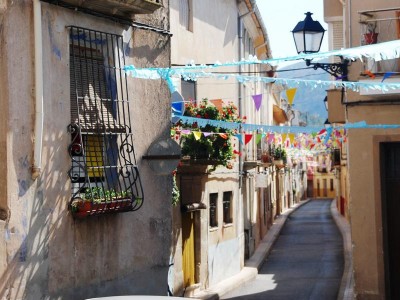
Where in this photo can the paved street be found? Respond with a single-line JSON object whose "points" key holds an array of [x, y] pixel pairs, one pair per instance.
{"points": [[306, 261]]}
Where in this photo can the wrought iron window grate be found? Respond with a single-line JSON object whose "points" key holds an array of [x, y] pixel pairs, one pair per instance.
{"points": [[104, 174]]}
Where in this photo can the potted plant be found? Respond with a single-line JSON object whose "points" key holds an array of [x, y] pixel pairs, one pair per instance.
{"points": [[371, 37], [98, 199], [266, 157], [279, 156]]}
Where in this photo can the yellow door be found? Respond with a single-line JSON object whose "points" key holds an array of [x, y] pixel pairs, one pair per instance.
{"points": [[188, 248]]}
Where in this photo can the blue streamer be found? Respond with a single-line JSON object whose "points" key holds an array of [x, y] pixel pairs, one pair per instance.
{"points": [[283, 129]]}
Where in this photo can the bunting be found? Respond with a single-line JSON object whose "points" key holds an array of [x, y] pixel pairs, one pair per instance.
{"points": [[290, 93], [257, 101]]}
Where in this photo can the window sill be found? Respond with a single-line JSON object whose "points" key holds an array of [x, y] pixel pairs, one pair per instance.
{"points": [[227, 225], [212, 229]]}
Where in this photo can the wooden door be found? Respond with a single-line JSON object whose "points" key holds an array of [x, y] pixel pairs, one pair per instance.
{"points": [[188, 256], [390, 181]]}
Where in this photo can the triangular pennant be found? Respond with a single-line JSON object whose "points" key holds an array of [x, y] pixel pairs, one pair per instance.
{"points": [[284, 137], [185, 131], [290, 93], [239, 137], [291, 137], [223, 135], [257, 101], [270, 138], [387, 75], [217, 103], [197, 135], [178, 108], [258, 138], [247, 138], [206, 134]]}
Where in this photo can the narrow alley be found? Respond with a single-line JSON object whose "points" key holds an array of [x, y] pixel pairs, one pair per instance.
{"points": [[306, 261]]}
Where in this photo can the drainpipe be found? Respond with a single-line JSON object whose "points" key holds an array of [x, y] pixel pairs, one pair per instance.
{"points": [[38, 134], [240, 37]]}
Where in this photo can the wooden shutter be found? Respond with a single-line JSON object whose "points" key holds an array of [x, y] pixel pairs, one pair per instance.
{"points": [[91, 100]]}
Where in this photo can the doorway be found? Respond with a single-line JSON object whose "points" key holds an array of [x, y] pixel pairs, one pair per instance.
{"points": [[390, 182], [188, 248]]}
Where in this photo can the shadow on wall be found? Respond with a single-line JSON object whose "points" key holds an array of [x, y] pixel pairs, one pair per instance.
{"points": [[62, 258]]}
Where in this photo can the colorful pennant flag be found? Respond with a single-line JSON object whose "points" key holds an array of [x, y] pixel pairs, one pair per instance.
{"points": [[218, 104], [290, 93], [387, 75], [259, 137], [239, 137], [247, 138], [197, 135], [178, 108], [257, 101]]}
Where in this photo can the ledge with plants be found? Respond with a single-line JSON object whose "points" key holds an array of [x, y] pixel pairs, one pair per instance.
{"points": [[98, 200], [214, 147]]}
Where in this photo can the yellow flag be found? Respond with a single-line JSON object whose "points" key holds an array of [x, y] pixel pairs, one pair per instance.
{"points": [[290, 93], [291, 138], [197, 135]]}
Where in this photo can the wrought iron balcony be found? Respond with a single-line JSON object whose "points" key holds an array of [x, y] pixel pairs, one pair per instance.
{"points": [[117, 8]]}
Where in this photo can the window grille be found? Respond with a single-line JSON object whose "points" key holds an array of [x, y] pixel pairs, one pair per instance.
{"points": [[104, 174]]}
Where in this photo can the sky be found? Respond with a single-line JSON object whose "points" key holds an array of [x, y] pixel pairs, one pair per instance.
{"points": [[281, 16]]}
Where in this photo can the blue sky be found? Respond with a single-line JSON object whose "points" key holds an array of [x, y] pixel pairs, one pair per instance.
{"points": [[281, 16]]}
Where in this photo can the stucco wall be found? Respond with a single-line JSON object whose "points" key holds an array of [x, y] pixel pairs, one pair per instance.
{"points": [[49, 254], [365, 196]]}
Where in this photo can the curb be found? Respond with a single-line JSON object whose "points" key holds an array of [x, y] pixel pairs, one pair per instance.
{"points": [[252, 265], [346, 291]]}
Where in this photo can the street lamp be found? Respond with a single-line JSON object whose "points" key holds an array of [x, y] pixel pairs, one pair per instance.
{"points": [[308, 35]]}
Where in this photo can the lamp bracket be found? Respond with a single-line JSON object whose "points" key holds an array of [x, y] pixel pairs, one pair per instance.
{"points": [[338, 70]]}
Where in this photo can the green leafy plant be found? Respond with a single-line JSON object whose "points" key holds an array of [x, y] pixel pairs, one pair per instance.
{"points": [[217, 146], [100, 195], [278, 153]]}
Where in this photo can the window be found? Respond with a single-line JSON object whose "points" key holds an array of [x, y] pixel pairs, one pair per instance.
{"points": [[332, 186], [188, 88], [186, 14], [104, 171], [227, 207], [213, 210]]}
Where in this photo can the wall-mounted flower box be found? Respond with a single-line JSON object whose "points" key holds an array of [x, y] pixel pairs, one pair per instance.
{"points": [[96, 201]]}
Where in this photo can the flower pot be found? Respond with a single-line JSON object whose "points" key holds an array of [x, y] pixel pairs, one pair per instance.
{"points": [[265, 158], [80, 208], [371, 38], [278, 162]]}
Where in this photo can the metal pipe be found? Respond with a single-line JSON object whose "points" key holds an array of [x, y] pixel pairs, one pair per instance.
{"points": [[38, 130]]}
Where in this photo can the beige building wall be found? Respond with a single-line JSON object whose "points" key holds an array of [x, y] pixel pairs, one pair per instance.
{"points": [[363, 177], [44, 252]]}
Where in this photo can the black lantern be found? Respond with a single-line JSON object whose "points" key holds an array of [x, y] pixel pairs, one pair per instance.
{"points": [[308, 35]]}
